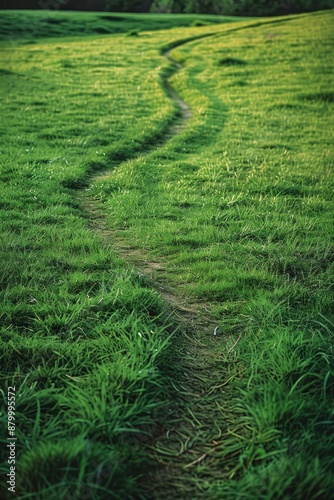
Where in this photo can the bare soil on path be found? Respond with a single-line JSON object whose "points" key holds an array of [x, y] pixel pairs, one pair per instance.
{"points": [[135, 256]]}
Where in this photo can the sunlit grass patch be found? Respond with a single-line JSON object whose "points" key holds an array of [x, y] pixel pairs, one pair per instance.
{"points": [[247, 231]]}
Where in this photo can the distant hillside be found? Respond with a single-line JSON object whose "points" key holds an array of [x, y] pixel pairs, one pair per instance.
{"points": [[218, 7], [30, 24]]}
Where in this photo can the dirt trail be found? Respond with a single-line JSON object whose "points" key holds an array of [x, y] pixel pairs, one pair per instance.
{"points": [[184, 440], [152, 270]]}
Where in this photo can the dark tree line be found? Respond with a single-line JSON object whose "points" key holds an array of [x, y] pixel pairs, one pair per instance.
{"points": [[82, 5], [223, 7]]}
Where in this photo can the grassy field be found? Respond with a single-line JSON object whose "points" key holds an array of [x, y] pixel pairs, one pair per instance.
{"points": [[116, 395], [30, 25]]}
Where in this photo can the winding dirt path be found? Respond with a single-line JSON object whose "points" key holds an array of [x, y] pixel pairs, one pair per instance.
{"points": [[153, 270], [185, 440]]}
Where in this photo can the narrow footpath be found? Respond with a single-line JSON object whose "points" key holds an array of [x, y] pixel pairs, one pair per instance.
{"points": [[190, 434]]}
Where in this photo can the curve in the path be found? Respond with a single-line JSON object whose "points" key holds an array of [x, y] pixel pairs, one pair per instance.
{"points": [[185, 112], [179, 123], [97, 219]]}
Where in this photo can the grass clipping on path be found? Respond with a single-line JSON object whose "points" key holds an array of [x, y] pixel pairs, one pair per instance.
{"points": [[239, 205]]}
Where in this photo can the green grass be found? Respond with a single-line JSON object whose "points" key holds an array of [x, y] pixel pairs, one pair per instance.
{"points": [[21, 26], [82, 337], [240, 205], [239, 209]]}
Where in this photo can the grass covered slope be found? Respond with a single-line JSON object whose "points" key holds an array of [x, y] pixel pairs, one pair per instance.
{"points": [[239, 207], [82, 337], [31, 25]]}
